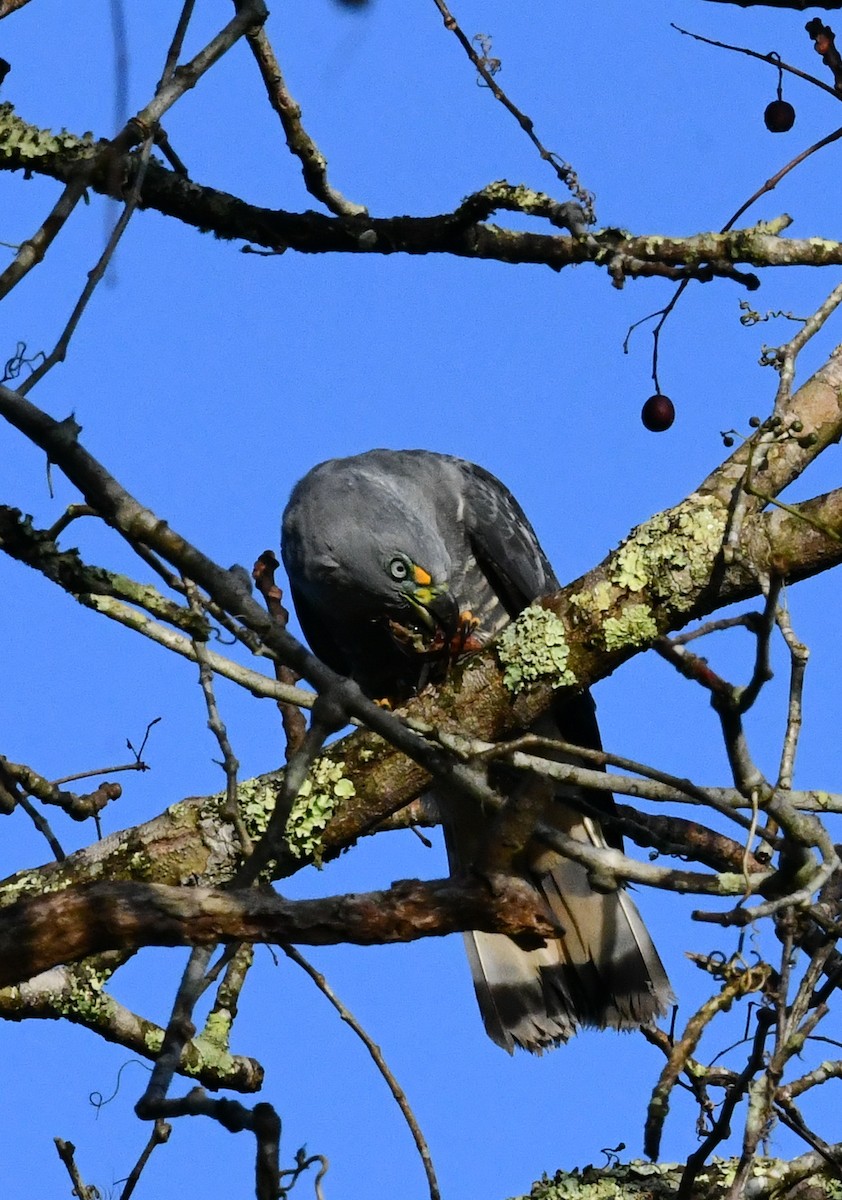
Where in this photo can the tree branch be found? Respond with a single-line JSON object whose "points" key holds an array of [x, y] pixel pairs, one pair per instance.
{"points": [[460, 233], [44, 931], [667, 569], [77, 994]]}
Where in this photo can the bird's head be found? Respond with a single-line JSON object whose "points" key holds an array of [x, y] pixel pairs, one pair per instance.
{"points": [[364, 546], [417, 598]]}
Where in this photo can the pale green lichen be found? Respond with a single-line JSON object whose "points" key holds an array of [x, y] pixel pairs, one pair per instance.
{"points": [[671, 555], [208, 1054], [534, 649], [21, 140], [593, 602], [624, 1182], [85, 1000], [322, 792], [153, 1037], [660, 1181], [256, 799], [217, 1031], [823, 801], [29, 883], [635, 626]]}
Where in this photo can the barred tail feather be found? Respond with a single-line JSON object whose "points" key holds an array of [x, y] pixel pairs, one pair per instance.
{"points": [[604, 971]]}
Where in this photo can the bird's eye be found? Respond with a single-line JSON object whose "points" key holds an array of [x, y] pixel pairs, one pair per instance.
{"points": [[398, 569]]}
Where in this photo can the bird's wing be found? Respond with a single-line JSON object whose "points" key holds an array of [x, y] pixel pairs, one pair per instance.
{"points": [[510, 556], [503, 541]]}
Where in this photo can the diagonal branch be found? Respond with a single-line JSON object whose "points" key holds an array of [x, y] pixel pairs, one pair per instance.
{"points": [[665, 574], [313, 162]]}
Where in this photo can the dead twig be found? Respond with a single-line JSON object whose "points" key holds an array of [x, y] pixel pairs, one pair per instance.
{"points": [[379, 1061], [486, 68], [263, 575]]}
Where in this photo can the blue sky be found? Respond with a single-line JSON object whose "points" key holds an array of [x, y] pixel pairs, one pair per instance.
{"points": [[208, 381]]}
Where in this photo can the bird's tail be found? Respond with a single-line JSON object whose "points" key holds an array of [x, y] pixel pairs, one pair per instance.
{"points": [[604, 971]]}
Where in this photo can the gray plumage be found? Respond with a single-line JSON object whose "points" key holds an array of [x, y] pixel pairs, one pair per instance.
{"points": [[385, 553]]}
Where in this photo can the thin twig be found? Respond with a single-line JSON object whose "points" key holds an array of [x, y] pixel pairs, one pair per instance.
{"points": [[721, 1127], [66, 1152], [799, 655], [773, 181], [774, 60], [172, 87], [263, 575], [230, 763], [161, 1131], [655, 785], [313, 162], [135, 766], [563, 170], [251, 681], [178, 1032], [763, 190], [43, 826], [31, 252], [738, 981], [788, 1115], [380, 1062], [72, 513], [78, 807]]}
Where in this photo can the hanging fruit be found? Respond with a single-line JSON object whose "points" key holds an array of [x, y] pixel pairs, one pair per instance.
{"points": [[658, 413], [779, 116]]}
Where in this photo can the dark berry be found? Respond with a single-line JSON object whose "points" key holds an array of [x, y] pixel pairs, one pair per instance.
{"points": [[754, 422], [727, 440], [779, 116], [658, 413]]}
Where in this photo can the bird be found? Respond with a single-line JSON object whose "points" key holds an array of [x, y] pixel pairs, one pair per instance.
{"points": [[399, 561]]}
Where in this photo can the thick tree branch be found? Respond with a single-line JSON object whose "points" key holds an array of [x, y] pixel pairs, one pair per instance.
{"points": [[462, 232], [809, 1177], [797, 5], [57, 928], [77, 994], [666, 573]]}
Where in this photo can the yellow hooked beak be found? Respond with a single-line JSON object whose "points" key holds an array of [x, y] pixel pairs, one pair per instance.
{"points": [[433, 603]]}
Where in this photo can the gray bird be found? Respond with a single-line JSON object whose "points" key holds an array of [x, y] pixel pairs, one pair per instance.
{"points": [[397, 561]]}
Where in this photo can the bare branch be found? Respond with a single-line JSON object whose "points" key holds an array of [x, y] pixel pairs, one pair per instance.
{"points": [[738, 982], [80, 808], [486, 71], [701, 255], [263, 573], [77, 994], [44, 931], [773, 59], [313, 162], [66, 1152], [380, 1062], [230, 762], [159, 1136]]}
